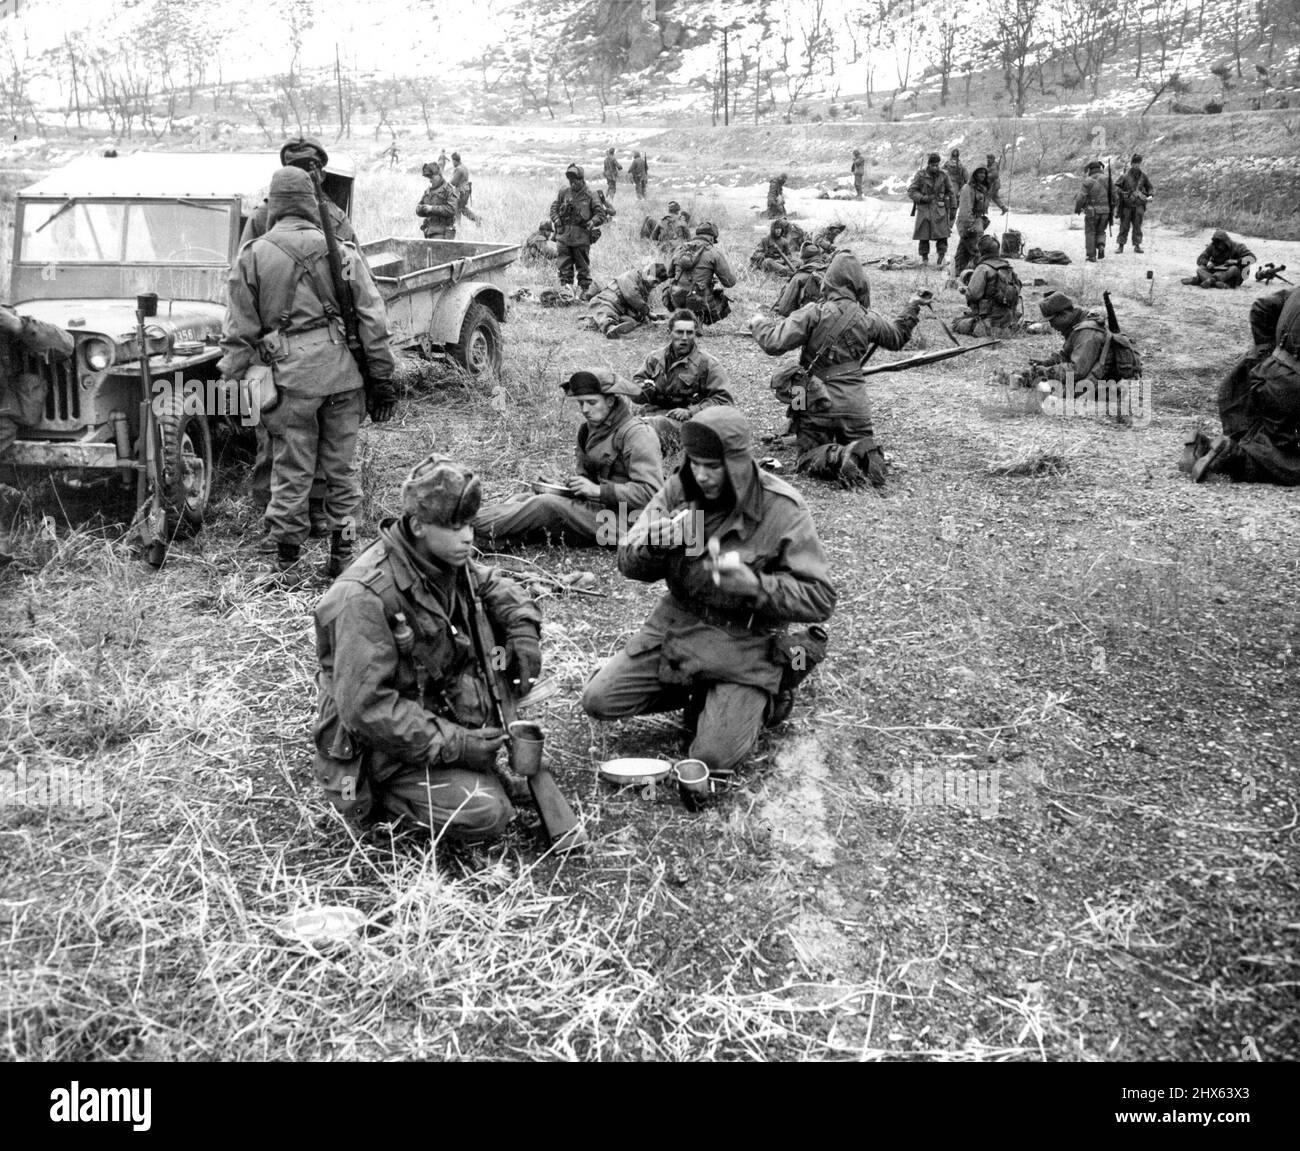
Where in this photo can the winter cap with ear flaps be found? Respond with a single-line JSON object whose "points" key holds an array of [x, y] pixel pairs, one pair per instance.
{"points": [[441, 492]]}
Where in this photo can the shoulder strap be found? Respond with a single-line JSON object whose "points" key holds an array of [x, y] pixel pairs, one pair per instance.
{"points": [[305, 268], [846, 317]]}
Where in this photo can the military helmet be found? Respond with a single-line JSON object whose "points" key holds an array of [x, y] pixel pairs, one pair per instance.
{"points": [[574, 170], [707, 229], [1095, 165]]}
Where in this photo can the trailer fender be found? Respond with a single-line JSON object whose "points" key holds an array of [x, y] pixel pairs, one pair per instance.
{"points": [[451, 304]]}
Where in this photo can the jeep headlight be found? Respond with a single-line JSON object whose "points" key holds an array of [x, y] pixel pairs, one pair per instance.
{"points": [[98, 354]]}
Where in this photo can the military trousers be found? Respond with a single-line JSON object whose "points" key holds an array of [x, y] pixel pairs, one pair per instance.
{"points": [[727, 727], [940, 247], [539, 518], [574, 260], [1260, 409], [262, 477], [1094, 235], [819, 439], [464, 805], [1131, 218], [306, 431], [638, 182]]}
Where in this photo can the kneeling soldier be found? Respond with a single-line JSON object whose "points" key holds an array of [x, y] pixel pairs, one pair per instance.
{"points": [[717, 644], [404, 698]]}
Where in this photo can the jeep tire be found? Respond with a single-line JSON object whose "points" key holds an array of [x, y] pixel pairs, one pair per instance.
{"points": [[184, 466], [478, 350]]}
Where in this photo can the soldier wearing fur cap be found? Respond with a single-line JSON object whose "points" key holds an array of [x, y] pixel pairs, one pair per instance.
{"points": [[401, 727], [438, 207], [578, 212], [618, 469], [717, 644], [282, 311], [1223, 262]]}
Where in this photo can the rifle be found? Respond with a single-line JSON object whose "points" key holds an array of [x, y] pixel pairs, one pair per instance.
{"points": [[1112, 322], [928, 357], [1267, 273], [342, 291], [1110, 200], [562, 827]]}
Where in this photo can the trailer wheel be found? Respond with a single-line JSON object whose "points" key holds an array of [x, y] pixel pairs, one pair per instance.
{"points": [[184, 465], [478, 350]]}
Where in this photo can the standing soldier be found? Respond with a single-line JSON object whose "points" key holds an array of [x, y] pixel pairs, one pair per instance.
{"points": [[972, 219], [955, 170], [832, 419], [618, 469], [22, 392], [640, 173], [404, 700], [936, 202], [612, 169], [679, 381], [1095, 202], [308, 154], [700, 270], [442, 159], [438, 206], [464, 189], [717, 645], [1134, 191], [577, 214], [858, 169], [776, 196], [282, 310]]}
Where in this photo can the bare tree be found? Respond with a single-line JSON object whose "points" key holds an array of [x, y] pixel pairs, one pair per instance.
{"points": [[1081, 36], [1017, 46]]}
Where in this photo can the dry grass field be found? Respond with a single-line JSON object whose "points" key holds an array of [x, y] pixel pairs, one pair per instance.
{"points": [[1041, 607]]}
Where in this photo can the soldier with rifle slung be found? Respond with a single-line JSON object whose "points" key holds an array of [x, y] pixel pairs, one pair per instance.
{"points": [[406, 724], [286, 309], [826, 392]]}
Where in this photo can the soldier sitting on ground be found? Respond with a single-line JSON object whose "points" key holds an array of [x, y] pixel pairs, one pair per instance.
{"points": [[992, 295], [679, 381], [1222, 264], [776, 251], [619, 468], [1259, 404], [539, 248], [827, 238], [1090, 354], [623, 304], [401, 727], [700, 270], [805, 285], [671, 228]]}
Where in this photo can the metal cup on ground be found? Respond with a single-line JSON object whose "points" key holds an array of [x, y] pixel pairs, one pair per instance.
{"points": [[692, 777], [526, 743]]}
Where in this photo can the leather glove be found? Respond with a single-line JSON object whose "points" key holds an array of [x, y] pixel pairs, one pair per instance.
{"points": [[472, 748], [524, 652], [381, 400], [680, 415]]}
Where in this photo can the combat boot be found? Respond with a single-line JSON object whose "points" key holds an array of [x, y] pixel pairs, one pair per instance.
{"points": [[622, 328], [1137, 248], [1220, 447], [339, 558], [849, 474]]}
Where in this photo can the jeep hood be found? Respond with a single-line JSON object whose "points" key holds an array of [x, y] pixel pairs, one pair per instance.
{"points": [[182, 319]]}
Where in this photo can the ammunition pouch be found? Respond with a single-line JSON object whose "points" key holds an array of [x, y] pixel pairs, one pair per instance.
{"points": [[798, 653], [258, 392]]}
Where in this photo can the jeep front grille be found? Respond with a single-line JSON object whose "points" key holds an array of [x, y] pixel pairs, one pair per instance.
{"points": [[62, 395]]}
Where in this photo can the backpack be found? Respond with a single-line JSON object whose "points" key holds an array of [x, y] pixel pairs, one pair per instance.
{"points": [[1119, 358], [687, 255], [1006, 285], [1013, 242], [1053, 256]]}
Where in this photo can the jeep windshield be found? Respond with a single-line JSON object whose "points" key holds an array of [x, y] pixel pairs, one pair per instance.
{"points": [[88, 231]]}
